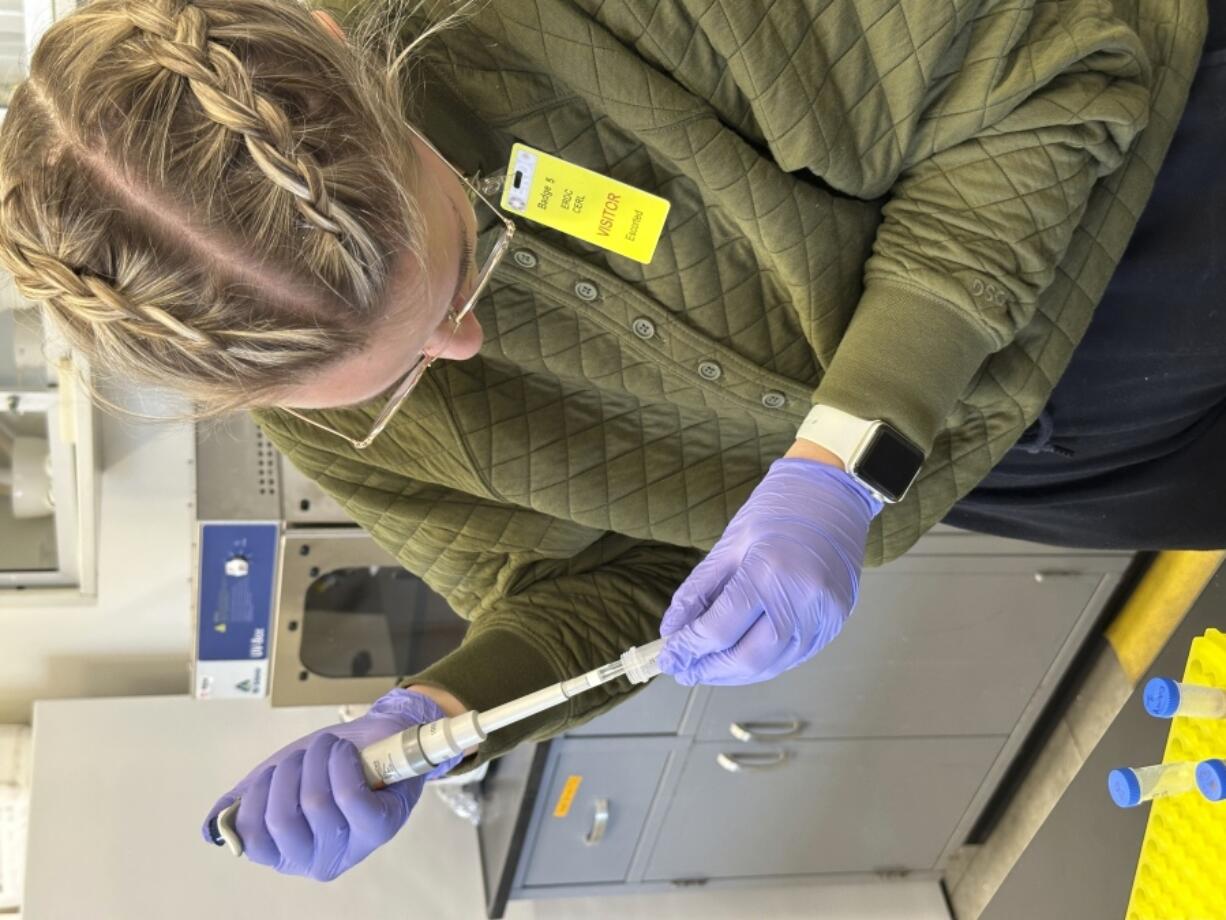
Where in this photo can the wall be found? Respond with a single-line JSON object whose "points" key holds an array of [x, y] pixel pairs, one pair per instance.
{"points": [[134, 638]]}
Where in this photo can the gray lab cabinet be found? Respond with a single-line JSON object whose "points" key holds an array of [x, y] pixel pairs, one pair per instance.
{"points": [[875, 757], [658, 710], [810, 807], [594, 840], [957, 647]]}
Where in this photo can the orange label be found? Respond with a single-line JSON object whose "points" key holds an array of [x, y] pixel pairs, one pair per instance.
{"points": [[562, 809]]}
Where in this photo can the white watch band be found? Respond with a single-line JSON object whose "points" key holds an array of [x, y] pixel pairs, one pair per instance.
{"points": [[839, 432]]}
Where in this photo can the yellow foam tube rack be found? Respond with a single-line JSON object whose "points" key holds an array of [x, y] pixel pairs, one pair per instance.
{"points": [[1183, 856]]}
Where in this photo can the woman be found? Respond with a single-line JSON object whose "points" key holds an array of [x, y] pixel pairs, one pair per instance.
{"points": [[889, 226]]}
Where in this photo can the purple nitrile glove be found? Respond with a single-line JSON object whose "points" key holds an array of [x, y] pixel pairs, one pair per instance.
{"points": [[307, 809], [778, 585]]}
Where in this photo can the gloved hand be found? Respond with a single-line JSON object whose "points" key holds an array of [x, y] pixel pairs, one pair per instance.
{"points": [[778, 585], [307, 809]]}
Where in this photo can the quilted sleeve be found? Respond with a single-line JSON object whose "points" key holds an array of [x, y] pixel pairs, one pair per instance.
{"points": [[547, 599], [565, 617], [992, 150]]}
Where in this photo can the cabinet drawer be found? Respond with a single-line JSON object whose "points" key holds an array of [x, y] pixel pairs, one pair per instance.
{"points": [[946, 540], [656, 710], [956, 650], [574, 844], [828, 807]]}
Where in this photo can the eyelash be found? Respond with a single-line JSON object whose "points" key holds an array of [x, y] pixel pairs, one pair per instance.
{"points": [[466, 255]]}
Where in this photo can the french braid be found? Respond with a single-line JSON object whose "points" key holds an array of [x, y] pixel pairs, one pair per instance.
{"points": [[221, 83], [186, 272]]}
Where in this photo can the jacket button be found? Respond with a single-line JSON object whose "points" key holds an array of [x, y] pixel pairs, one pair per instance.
{"points": [[709, 370], [643, 328], [774, 400], [586, 290], [524, 258]]}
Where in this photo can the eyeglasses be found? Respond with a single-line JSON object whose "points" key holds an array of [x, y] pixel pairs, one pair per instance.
{"points": [[489, 253]]}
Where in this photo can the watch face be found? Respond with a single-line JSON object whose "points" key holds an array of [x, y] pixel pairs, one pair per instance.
{"points": [[889, 464]]}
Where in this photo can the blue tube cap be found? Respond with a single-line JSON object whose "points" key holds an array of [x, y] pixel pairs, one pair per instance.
{"points": [[1211, 779], [1162, 697], [1124, 787]]}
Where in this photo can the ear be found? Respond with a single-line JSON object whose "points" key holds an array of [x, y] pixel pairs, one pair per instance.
{"points": [[329, 23]]}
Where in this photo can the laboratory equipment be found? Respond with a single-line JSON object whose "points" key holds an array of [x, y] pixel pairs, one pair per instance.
{"points": [[342, 622], [1131, 786], [1166, 698], [235, 589], [29, 480], [48, 464], [1211, 779], [419, 749]]}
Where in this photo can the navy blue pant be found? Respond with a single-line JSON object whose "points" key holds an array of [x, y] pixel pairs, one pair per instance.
{"points": [[1130, 451]]}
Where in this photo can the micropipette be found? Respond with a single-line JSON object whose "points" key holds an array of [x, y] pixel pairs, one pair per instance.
{"points": [[419, 749]]}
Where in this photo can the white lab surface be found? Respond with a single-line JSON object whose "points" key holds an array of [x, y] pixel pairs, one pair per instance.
{"points": [[121, 787]]}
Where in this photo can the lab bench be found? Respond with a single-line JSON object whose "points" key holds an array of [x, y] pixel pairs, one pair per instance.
{"points": [[874, 759]]}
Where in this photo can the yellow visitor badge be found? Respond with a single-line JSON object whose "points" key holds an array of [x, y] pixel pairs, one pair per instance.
{"points": [[584, 204]]}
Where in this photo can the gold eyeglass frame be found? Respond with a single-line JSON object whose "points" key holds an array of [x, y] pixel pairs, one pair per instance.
{"points": [[418, 370]]}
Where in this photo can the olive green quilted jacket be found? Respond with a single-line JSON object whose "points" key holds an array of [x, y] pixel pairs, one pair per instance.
{"points": [[904, 209]]}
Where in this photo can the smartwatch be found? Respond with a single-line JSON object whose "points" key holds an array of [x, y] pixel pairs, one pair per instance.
{"points": [[873, 452]]}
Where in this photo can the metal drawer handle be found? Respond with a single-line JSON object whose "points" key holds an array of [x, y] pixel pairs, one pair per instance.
{"points": [[737, 763], [1050, 574], [600, 823], [765, 731]]}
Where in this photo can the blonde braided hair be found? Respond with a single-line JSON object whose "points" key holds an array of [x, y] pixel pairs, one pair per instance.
{"points": [[210, 195], [221, 84]]}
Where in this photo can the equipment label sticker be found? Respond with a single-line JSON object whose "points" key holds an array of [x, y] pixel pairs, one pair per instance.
{"points": [[562, 809]]}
